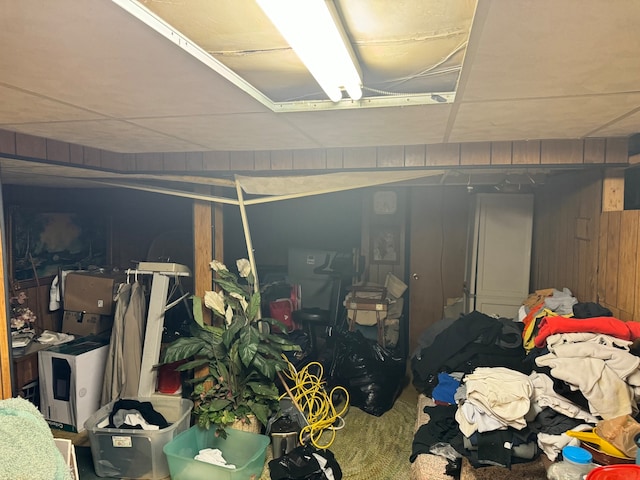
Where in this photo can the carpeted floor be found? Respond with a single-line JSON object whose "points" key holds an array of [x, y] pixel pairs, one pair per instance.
{"points": [[370, 447]]}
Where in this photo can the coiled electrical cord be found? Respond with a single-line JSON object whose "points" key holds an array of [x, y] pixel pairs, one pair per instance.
{"points": [[311, 398]]}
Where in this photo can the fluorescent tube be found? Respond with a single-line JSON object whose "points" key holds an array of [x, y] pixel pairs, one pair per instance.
{"points": [[309, 28]]}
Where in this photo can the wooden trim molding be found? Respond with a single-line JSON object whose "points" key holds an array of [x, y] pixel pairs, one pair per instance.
{"points": [[590, 151]]}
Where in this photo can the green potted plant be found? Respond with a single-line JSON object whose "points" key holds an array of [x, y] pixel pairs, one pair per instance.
{"points": [[236, 360]]}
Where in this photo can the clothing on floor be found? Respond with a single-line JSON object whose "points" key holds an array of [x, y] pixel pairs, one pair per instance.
{"points": [[608, 325], [446, 389], [213, 456], [124, 407]]}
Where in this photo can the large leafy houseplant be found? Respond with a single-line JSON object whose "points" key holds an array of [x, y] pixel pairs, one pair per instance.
{"points": [[236, 359]]}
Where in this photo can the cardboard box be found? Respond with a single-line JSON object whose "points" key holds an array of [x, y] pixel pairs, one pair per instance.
{"points": [[89, 292], [83, 324], [71, 377]]}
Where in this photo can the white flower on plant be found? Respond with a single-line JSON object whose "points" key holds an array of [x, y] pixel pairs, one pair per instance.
{"points": [[216, 266], [243, 301], [228, 315], [215, 301], [244, 267]]}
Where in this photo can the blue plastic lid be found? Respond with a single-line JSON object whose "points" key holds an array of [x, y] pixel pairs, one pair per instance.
{"points": [[576, 454]]}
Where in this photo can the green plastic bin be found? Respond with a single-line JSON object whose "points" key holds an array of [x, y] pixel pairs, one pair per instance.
{"points": [[247, 451]]}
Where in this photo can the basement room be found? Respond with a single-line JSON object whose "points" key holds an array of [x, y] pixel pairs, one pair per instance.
{"points": [[320, 240]]}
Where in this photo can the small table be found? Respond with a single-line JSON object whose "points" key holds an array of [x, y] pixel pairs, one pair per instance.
{"points": [[25, 367]]}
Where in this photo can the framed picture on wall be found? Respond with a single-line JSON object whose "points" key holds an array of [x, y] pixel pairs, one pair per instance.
{"points": [[41, 243], [385, 244]]}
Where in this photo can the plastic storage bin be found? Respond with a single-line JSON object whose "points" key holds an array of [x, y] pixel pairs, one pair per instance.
{"points": [[125, 453], [245, 450]]}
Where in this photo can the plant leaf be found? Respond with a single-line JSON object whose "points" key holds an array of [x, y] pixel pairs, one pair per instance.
{"points": [[182, 348], [197, 309], [192, 364], [230, 332], [254, 306], [218, 404], [230, 286], [248, 345], [267, 390], [261, 412], [264, 366]]}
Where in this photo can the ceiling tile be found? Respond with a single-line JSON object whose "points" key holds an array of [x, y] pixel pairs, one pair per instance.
{"points": [[539, 118], [21, 107], [113, 135], [375, 126], [237, 132], [549, 48]]}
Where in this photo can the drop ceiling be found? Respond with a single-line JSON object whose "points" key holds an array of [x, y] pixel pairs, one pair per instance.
{"points": [[91, 73]]}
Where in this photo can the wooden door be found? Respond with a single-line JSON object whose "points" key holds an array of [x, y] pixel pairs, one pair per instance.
{"points": [[437, 248]]}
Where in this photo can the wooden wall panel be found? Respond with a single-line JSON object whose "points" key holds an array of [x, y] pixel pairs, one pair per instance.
{"points": [[262, 160], [612, 258], [533, 152], [335, 158], [628, 251], [526, 153], [203, 248], [216, 161], [617, 150], [7, 142], [176, 162], [30, 146], [414, 155], [594, 149], [363, 157], [566, 234], [280, 160], [244, 161], [445, 154], [501, 153], [58, 151], [193, 161], [392, 156], [478, 153], [309, 159], [619, 260], [76, 155], [91, 157], [149, 162], [561, 151]]}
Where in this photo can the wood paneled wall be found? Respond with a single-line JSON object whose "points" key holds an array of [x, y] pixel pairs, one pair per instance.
{"points": [[619, 264], [534, 152], [566, 234]]}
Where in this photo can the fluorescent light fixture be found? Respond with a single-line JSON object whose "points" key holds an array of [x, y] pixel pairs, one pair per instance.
{"points": [[311, 31]]}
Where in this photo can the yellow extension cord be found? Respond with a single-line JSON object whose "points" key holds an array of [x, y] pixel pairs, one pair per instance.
{"points": [[312, 399]]}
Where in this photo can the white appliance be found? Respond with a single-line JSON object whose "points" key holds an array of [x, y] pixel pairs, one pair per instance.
{"points": [[498, 258], [71, 377]]}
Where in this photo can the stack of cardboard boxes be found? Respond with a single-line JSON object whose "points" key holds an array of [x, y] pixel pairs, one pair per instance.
{"points": [[71, 374], [88, 303]]}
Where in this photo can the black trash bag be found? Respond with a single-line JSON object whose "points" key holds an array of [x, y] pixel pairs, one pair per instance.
{"points": [[371, 374], [302, 463]]}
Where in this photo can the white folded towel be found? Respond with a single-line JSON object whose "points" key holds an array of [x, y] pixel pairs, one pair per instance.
{"points": [[213, 456]]}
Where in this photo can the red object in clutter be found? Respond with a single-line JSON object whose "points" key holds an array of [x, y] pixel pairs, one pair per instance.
{"points": [[169, 379], [282, 310], [615, 472]]}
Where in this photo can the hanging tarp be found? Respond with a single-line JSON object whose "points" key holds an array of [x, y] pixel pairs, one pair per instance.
{"points": [[290, 186]]}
